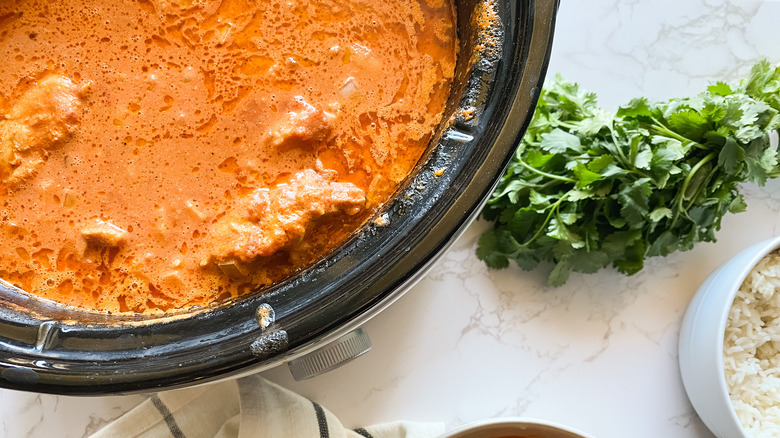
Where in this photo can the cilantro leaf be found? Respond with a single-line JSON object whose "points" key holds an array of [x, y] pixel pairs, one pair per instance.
{"points": [[560, 141], [636, 109], [720, 89], [731, 156]]}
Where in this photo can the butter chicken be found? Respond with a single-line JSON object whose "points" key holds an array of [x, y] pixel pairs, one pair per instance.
{"points": [[162, 154]]}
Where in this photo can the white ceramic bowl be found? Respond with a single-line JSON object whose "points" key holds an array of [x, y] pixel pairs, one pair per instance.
{"points": [[514, 427], [701, 341]]}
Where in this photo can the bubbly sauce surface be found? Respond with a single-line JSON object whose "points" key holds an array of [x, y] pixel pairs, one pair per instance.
{"points": [[160, 154]]}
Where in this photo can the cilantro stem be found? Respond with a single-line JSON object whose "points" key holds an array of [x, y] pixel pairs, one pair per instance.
{"points": [[709, 157], [660, 127], [629, 162], [553, 209], [701, 188], [571, 126], [618, 149], [545, 174]]}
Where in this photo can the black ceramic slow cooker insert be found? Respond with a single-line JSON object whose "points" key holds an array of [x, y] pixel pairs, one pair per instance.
{"points": [[501, 67]]}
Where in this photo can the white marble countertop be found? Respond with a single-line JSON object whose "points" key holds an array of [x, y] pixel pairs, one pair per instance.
{"points": [[598, 354]]}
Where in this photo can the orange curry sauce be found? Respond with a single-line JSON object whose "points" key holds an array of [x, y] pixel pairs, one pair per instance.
{"points": [[160, 154]]}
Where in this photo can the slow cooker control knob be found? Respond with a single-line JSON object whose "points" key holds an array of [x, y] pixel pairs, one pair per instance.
{"points": [[331, 356]]}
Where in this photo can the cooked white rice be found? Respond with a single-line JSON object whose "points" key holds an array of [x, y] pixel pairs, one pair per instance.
{"points": [[751, 348]]}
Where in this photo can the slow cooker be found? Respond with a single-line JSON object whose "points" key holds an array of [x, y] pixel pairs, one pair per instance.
{"points": [[502, 64]]}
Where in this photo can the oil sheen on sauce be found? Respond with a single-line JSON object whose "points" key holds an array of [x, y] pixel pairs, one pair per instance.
{"points": [[161, 154]]}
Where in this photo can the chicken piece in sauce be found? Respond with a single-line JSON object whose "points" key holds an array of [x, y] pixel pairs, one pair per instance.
{"points": [[304, 127], [103, 233], [276, 218], [43, 118]]}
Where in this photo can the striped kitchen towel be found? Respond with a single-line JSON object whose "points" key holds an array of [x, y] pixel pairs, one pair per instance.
{"points": [[248, 407]]}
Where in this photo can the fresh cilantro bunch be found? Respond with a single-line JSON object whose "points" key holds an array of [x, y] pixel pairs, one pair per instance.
{"points": [[589, 188]]}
